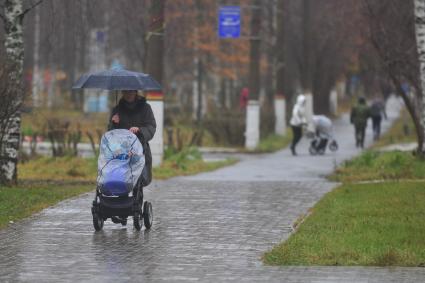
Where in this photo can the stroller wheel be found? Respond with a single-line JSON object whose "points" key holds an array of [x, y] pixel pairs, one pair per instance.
{"points": [[333, 146], [97, 217], [137, 221], [97, 221], [137, 218], [147, 214]]}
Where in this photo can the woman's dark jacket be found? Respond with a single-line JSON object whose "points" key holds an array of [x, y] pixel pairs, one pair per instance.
{"points": [[137, 114]]}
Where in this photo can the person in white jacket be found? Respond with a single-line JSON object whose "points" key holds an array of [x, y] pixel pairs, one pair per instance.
{"points": [[297, 121]]}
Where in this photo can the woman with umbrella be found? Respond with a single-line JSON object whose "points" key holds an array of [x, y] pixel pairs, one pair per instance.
{"points": [[132, 112], [135, 114]]}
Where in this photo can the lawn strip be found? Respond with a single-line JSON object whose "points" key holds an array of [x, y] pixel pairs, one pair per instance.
{"points": [[20, 202], [360, 224], [76, 169], [375, 165], [274, 142]]}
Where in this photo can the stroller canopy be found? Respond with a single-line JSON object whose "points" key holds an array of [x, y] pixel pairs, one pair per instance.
{"points": [[120, 162]]}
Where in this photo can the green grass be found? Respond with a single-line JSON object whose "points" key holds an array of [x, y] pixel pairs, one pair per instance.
{"points": [[171, 169], [274, 142], [20, 202], [66, 168], [360, 224], [374, 165], [186, 162]]}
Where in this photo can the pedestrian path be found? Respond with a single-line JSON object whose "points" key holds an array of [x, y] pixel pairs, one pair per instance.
{"points": [[213, 227], [282, 166]]}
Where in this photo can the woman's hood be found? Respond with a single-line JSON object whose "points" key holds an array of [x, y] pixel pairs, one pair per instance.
{"points": [[134, 106], [301, 100]]}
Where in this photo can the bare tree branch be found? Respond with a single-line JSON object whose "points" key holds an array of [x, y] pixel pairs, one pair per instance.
{"points": [[30, 8], [1, 15]]}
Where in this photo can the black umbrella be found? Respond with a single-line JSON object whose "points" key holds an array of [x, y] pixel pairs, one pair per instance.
{"points": [[118, 79]]}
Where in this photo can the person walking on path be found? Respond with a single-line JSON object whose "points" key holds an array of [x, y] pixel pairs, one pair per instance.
{"points": [[298, 120], [135, 114], [359, 115], [377, 110]]}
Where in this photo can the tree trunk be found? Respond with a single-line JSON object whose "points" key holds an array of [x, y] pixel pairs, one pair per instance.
{"points": [[280, 49], [420, 43], [323, 79], [321, 99], [197, 68], [36, 76], [413, 111], [419, 129], [222, 93], [201, 98], [154, 66], [155, 41], [306, 47], [14, 44], [81, 50], [254, 63]]}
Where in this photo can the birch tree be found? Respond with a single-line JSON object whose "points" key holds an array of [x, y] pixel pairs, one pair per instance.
{"points": [[419, 7], [13, 15], [396, 33]]}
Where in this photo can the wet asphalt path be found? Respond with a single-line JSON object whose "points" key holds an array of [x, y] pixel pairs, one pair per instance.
{"points": [[209, 227]]}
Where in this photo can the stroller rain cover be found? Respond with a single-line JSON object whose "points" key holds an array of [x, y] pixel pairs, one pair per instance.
{"points": [[120, 164]]}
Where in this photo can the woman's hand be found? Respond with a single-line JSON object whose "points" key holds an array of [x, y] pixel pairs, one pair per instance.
{"points": [[134, 130], [115, 119]]}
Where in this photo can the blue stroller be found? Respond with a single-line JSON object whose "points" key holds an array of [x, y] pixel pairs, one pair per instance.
{"points": [[119, 190]]}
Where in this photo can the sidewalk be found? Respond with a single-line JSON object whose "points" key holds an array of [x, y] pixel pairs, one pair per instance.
{"points": [[282, 166], [213, 227]]}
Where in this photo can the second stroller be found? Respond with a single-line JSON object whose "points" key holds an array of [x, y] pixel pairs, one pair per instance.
{"points": [[323, 134]]}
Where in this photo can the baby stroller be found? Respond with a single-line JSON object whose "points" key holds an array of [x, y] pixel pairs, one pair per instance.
{"points": [[119, 190], [318, 145], [322, 134]]}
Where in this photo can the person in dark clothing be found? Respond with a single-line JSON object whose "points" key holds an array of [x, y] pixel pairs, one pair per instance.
{"points": [[135, 114], [359, 115], [377, 110]]}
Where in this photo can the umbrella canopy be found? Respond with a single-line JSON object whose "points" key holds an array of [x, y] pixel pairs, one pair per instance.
{"points": [[118, 79]]}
